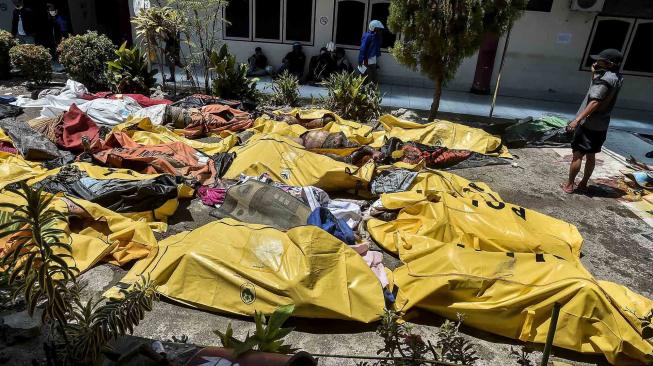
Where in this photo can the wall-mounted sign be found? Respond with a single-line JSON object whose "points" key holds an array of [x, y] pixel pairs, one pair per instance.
{"points": [[324, 20], [563, 38], [140, 5]]}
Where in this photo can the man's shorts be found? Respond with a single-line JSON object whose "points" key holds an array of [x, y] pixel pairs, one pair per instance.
{"points": [[588, 141]]}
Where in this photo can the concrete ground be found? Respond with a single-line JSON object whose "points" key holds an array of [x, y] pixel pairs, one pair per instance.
{"points": [[617, 248]]}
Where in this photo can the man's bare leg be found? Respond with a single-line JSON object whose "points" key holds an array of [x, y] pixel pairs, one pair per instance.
{"points": [[590, 163], [574, 169]]}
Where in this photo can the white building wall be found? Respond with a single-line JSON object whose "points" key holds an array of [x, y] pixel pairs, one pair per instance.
{"points": [[541, 66]]}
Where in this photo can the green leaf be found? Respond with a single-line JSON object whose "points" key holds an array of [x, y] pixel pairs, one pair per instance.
{"points": [[279, 316]]}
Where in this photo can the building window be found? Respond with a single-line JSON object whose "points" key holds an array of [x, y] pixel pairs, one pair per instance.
{"points": [[299, 21], [270, 20], [380, 11], [540, 5], [631, 36], [237, 13], [350, 23], [353, 17], [638, 60]]}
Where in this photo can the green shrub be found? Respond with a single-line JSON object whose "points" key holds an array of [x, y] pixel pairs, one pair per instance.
{"points": [[129, 72], [85, 57], [7, 41], [34, 62], [285, 90], [230, 79], [352, 98]]}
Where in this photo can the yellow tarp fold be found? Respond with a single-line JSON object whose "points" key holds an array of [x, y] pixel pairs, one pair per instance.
{"points": [[13, 168], [240, 268], [442, 133], [144, 132], [288, 162], [513, 294], [96, 233], [484, 225], [355, 132]]}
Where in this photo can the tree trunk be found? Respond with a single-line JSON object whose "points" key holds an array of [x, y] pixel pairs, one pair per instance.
{"points": [[437, 93]]}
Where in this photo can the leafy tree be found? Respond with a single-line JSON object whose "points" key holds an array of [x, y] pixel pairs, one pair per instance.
{"points": [[436, 35]]}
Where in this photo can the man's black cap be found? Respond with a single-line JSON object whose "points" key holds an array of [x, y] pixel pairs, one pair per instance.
{"points": [[610, 54]]}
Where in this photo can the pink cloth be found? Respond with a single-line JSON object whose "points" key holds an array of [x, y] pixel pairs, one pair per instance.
{"points": [[374, 260], [7, 147], [212, 196]]}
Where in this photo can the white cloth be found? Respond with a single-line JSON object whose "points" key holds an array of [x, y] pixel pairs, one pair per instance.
{"points": [[21, 29], [155, 113], [108, 112], [345, 210]]}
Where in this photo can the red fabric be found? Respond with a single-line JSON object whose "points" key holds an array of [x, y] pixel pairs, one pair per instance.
{"points": [[215, 118], [7, 147], [175, 158], [141, 99], [76, 124]]}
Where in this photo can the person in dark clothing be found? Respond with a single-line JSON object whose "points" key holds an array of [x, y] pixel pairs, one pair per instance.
{"points": [[591, 124], [172, 51], [321, 66], [258, 64], [342, 64], [22, 23], [294, 61], [370, 51], [57, 28]]}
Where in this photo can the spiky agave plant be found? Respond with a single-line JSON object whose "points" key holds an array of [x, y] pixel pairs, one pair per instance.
{"points": [[285, 90], [350, 96], [39, 257], [94, 324]]}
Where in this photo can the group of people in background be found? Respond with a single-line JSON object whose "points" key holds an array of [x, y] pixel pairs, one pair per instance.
{"points": [[331, 59], [42, 26]]}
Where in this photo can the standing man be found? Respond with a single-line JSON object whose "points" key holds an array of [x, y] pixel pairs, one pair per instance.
{"points": [[22, 23], [591, 124], [57, 28], [370, 51]]}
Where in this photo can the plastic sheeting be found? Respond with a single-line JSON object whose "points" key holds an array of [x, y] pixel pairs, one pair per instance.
{"points": [[289, 163], [96, 233], [442, 133], [254, 267], [109, 112], [142, 131], [31, 144], [174, 158], [13, 168], [485, 225], [150, 197], [512, 294]]}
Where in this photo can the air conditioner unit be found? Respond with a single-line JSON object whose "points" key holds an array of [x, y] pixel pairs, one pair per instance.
{"points": [[587, 5]]}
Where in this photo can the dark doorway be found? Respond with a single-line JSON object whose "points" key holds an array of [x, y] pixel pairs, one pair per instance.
{"points": [[113, 19]]}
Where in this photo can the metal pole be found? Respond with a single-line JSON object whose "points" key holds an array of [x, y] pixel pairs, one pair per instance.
{"points": [[503, 59], [551, 334]]}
